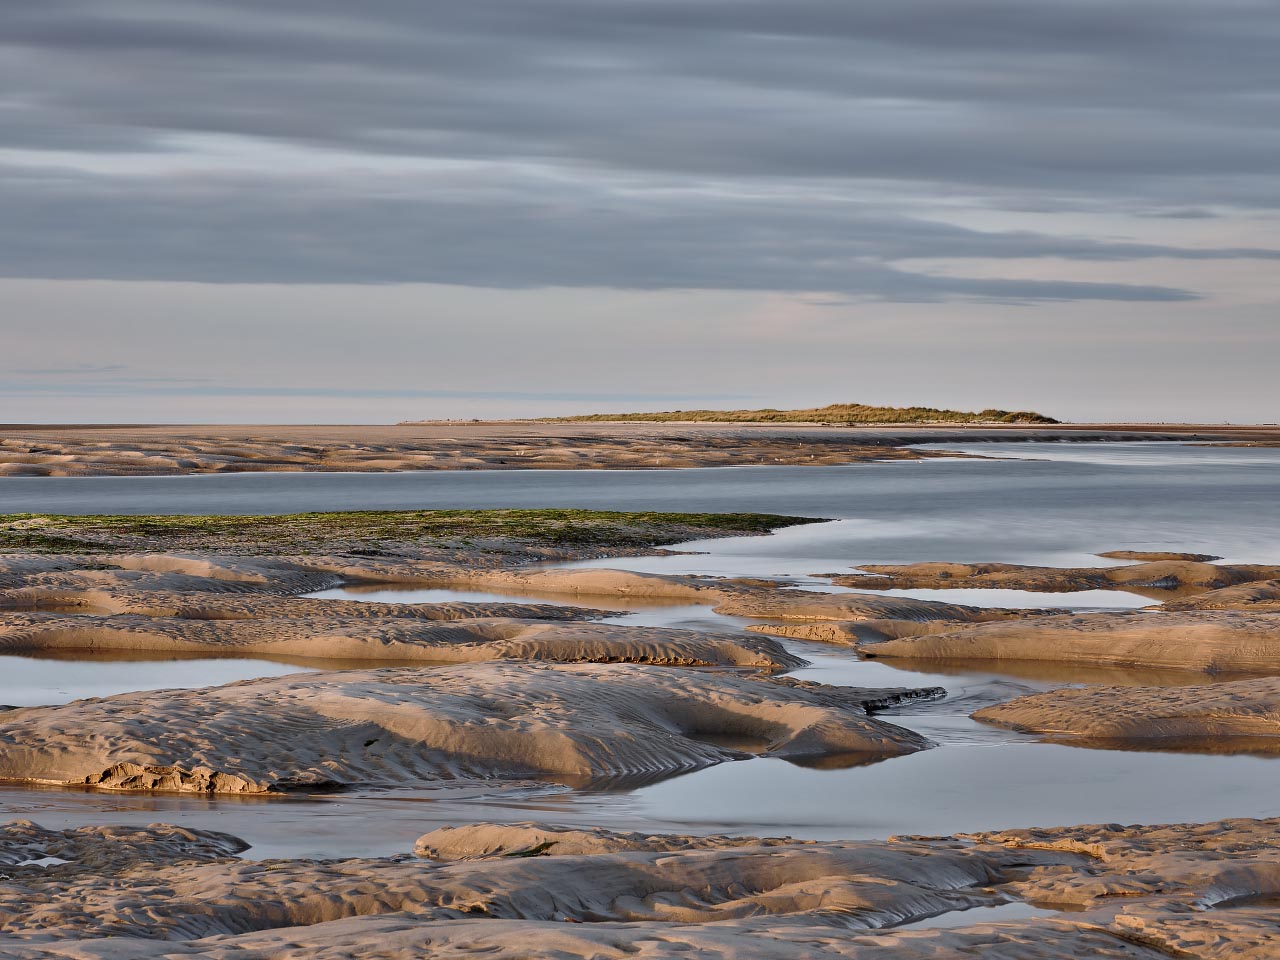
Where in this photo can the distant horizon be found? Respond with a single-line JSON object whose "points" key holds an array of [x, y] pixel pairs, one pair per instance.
{"points": [[409, 422], [233, 212]]}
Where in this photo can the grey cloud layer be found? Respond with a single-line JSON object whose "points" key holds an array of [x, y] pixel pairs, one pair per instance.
{"points": [[633, 143]]}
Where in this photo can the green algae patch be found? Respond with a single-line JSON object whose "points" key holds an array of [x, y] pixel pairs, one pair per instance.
{"points": [[372, 530]]}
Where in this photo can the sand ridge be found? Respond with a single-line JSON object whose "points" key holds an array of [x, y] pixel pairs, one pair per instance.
{"points": [[403, 639]]}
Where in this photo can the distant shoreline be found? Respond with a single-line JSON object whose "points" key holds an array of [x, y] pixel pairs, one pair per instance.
{"points": [[65, 450]]}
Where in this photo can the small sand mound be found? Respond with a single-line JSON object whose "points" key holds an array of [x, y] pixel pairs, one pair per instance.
{"points": [[1163, 575], [480, 841], [1224, 717], [805, 605], [1208, 642], [589, 582], [855, 632], [110, 848], [1146, 556]]}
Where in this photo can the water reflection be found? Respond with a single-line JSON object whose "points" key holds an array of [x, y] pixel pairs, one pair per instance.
{"points": [[995, 913], [29, 681]]}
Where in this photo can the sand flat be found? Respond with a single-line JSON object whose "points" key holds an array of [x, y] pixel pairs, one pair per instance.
{"points": [[165, 450]]}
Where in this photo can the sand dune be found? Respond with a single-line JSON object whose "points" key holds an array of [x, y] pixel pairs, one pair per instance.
{"points": [[406, 726]]}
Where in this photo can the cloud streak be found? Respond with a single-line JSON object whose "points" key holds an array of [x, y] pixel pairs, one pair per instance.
{"points": [[813, 146]]}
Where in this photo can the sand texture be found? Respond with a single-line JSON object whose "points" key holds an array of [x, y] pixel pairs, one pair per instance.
{"points": [[806, 605], [407, 726], [1260, 597], [1205, 641], [387, 638], [159, 451], [224, 605], [480, 841], [1237, 716], [857, 632], [132, 450], [1198, 891], [23, 845]]}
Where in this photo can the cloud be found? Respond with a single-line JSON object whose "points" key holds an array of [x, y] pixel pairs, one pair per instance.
{"points": [[196, 388], [515, 232], [79, 370], [641, 144]]}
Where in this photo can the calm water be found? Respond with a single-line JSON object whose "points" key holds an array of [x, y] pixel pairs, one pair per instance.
{"points": [[1073, 500], [1062, 507], [34, 681]]}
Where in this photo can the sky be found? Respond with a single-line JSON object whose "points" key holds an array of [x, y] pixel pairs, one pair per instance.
{"points": [[225, 210]]}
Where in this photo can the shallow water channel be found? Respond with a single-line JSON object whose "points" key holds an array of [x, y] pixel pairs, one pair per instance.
{"points": [[1055, 511]]}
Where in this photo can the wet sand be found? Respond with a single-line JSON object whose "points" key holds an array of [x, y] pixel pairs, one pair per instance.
{"points": [[532, 891], [565, 694]]}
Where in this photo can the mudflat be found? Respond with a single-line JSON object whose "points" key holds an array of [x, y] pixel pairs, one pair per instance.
{"points": [[158, 450]]}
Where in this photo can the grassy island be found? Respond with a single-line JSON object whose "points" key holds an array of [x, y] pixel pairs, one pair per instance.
{"points": [[832, 413]]}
